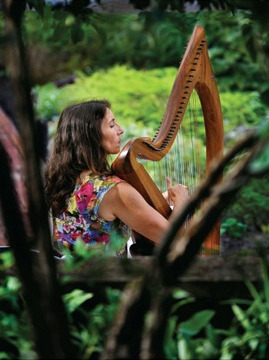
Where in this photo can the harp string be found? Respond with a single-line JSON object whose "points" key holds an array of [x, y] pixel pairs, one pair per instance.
{"points": [[183, 162]]}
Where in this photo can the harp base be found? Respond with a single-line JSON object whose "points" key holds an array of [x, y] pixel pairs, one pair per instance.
{"points": [[211, 245], [145, 247], [142, 246]]}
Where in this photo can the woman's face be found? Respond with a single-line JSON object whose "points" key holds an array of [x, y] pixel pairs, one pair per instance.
{"points": [[111, 132]]}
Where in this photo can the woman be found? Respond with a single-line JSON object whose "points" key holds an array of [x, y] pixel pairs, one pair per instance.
{"points": [[87, 201]]}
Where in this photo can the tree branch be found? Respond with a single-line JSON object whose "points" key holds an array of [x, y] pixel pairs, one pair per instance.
{"points": [[40, 285]]}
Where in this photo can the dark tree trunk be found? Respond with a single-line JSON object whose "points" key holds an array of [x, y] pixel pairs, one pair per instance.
{"points": [[38, 274]]}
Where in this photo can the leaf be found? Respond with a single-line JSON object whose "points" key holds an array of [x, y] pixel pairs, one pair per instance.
{"points": [[197, 322], [229, 347], [170, 344], [180, 294], [242, 317], [80, 247], [213, 336], [184, 349], [75, 298], [261, 162]]}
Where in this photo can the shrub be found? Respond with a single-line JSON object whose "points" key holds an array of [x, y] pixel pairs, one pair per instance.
{"points": [[139, 99], [250, 210]]}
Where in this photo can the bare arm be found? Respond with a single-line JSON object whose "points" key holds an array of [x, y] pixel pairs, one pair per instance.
{"points": [[127, 204]]}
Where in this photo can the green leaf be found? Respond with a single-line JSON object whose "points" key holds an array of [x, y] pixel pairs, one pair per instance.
{"points": [[197, 322], [180, 294], [76, 298], [213, 336], [170, 344], [185, 351], [6, 260], [261, 161], [229, 347], [242, 317]]}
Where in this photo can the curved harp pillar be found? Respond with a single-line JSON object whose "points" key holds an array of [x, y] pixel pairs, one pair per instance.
{"points": [[195, 73]]}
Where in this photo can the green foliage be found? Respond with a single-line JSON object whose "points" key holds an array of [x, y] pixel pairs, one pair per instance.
{"points": [[233, 228], [75, 299], [90, 318], [148, 40], [250, 208], [80, 253], [242, 108], [232, 63], [90, 312], [194, 337], [249, 212], [55, 28], [196, 348], [101, 40], [261, 162], [15, 333], [139, 99], [245, 338], [92, 41], [248, 336], [237, 50]]}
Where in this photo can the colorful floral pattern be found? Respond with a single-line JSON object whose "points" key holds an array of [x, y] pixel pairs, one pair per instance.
{"points": [[81, 220]]}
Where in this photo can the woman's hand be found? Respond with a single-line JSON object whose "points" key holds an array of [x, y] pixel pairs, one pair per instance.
{"points": [[176, 195]]}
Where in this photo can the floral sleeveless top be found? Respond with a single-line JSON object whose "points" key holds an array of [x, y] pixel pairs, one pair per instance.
{"points": [[81, 221]]}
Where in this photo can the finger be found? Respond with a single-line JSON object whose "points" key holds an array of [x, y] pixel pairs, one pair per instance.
{"points": [[168, 182], [165, 195]]}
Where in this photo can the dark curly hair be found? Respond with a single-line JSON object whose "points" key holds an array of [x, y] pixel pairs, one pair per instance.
{"points": [[76, 149]]}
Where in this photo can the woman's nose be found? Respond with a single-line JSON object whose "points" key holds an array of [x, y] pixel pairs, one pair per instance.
{"points": [[120, 130]]}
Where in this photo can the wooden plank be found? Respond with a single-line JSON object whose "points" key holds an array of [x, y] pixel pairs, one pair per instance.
{"points": [[215, 277]]}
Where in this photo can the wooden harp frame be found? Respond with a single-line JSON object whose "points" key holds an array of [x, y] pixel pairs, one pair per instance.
{"points": [[195, 73]]}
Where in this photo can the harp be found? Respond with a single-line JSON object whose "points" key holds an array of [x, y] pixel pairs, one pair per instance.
{"points": [[195, 74]]}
